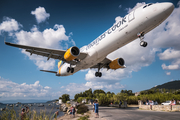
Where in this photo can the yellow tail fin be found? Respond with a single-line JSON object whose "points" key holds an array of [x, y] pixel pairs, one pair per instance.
{"points": [[59, 63]]}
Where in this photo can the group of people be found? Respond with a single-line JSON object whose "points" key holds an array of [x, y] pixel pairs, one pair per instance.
{"points": [[95, 108], [151, 102], [72, 111], [23, 113]]}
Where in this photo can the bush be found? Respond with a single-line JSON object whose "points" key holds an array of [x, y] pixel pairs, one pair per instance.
{"points": [[82, 109]]}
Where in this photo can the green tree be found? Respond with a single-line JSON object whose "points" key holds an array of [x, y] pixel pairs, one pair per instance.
{"points": [[103, 99], [76, 96], [80, 99], [65, 97], [97, 92]]}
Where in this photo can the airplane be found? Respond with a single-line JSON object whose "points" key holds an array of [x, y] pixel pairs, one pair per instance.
{"points": [[134, 25]]}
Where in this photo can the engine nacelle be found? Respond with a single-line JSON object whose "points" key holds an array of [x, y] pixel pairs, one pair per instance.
{"points": [[117, 63], [71, 53]]}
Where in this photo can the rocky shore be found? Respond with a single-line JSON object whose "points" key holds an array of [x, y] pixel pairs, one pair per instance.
{"points": [[66, 107]]}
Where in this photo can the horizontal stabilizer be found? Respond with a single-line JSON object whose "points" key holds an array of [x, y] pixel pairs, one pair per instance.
{"points": [[49, 71]]}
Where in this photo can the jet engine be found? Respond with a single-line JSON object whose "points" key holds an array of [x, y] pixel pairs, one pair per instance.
{"points": [[72, 53], [117, 63]]}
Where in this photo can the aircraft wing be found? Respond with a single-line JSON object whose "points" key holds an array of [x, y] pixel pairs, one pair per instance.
{"points": [[103, 64], [46, 52]]}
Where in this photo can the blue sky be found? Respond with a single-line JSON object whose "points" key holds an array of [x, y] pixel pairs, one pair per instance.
{"points": [[62, 24]]}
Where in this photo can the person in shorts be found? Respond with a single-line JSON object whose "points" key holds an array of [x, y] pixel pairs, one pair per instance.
{"points": [[96, 105], [73, 111]]}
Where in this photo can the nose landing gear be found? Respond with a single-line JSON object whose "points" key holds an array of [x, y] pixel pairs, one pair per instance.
{"points": [[141, 37]]}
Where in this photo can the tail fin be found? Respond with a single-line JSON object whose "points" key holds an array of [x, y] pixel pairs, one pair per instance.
{"points": [[49, 71], [59, 64]]}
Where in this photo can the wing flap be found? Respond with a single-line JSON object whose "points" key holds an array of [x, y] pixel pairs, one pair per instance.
{"points": [[103, 64], [46, 54]]}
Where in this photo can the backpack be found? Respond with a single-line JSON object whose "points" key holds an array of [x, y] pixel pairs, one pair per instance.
{"points": [[73, 110]]}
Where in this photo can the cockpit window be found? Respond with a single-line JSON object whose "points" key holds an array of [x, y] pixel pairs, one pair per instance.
{"points": [[147, 5]]}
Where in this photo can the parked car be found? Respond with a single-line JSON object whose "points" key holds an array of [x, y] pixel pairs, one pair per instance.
{"points": [[166, 103]]}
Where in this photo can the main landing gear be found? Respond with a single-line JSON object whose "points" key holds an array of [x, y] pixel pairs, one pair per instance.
{"points": [[141, 36], [70, 69], [98, 74]]}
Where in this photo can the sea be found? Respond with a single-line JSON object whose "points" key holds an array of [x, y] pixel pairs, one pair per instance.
{"points": [[48, 108]]}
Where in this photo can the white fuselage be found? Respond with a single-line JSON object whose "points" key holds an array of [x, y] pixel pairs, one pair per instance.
{"points": [[143, 19]]}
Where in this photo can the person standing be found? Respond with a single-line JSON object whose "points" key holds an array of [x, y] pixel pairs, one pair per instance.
{"points": [[93, 105], [120, 103], [73, 111], [23, 114], [173, 102], [56, 114], [96, 105]]}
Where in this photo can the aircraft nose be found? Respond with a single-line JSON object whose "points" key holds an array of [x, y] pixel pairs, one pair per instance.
{"points": [[168, 7]]}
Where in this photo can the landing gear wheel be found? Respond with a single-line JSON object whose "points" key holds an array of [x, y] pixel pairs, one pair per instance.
{"points": [[72, 70], [143, 43], [98, 74], [68, 69], [141, 37]]}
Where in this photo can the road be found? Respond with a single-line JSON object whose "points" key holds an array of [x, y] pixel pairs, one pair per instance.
{"points": [[112, 113]]}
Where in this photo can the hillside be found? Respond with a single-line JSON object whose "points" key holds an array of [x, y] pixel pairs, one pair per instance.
{"points": [[52, 101], [169, 85]]}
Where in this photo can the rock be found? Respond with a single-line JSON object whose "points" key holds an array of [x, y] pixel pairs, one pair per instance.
{"points": [[65, 109]]}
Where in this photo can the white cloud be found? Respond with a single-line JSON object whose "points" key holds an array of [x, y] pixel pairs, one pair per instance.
{"points": [[74, 88], [40, 14], [117, 19], [174, 56], [170, 67], [135, 7], [49, 38], [169, 54], [120, 6], [168, 73], [10, 89], [9, 25]]}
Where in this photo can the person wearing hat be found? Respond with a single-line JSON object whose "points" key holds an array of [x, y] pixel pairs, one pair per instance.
{"points": [[56, 114], [23, 114]]}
